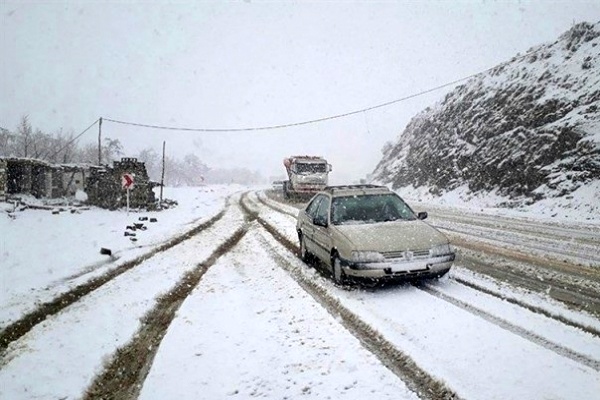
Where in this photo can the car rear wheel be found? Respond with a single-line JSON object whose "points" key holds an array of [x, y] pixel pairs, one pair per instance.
{"points": [[339, 276]]}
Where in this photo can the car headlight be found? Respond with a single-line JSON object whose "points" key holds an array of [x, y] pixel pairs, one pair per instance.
{"points": [[440, 250], [367, 256]]}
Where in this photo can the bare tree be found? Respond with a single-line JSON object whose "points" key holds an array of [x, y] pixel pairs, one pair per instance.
{"points": [[61, 148], [194, 170], [152, 161], [24, 137], [64, 150], [111, 150], [41, 144], [190, 171], [87, 154], [6, 142]]}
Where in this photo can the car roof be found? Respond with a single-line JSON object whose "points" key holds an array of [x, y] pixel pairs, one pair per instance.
{"points": [[353, 190]]}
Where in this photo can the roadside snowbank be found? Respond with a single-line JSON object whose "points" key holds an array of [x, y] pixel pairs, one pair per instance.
{"points": [[581, 206]]}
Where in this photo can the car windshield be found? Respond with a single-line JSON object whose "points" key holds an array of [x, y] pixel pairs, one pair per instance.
{"points": [[306, 168], [370, 209]]}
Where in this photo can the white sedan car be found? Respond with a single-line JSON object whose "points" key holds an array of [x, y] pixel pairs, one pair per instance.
{"points": [[368, 231]]}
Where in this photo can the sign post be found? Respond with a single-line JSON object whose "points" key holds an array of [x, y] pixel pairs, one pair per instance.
{"points": [[162, 177], [127, 182]]}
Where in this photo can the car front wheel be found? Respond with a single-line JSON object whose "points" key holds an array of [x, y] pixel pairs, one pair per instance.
{"points": [[304, 254], [339, 276]]}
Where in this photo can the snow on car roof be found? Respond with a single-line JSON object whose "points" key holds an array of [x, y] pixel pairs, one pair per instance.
{"points": [[348, 190]]}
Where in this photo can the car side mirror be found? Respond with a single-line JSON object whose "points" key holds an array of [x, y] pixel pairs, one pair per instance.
{"points": [[422, 215], [329, 168], [320, 221]]}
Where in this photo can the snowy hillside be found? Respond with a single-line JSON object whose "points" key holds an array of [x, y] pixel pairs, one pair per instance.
{"points": [[525, 131]]}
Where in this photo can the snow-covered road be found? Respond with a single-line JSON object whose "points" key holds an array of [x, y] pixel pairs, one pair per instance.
{"points": [[249, 330], [256, 321], [469, 328]]}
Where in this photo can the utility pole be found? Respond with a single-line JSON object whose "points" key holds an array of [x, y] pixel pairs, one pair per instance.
{"points": [[100, 141], [162, 178]]}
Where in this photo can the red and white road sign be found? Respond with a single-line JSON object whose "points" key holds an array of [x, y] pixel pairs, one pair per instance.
{"points": [[127, 181]]}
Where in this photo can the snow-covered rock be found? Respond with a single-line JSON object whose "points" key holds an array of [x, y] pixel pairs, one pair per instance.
{"points": [[528, 129]]}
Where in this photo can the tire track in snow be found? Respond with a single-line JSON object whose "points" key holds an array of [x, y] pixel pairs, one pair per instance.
{"points": [[124, 376], [562, 272], [426, 386], [556, 291], [589, 235], [534, 309], [20, 327], [275, 206], [580, 258], [509, 326], [420, 381], [248, 205], [580, 294], [130, 297], [557, 348]]}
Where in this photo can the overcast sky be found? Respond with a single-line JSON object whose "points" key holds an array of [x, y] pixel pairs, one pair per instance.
{"points": [[250, 64]]}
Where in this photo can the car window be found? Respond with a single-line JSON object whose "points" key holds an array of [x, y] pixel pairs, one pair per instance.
{"points": [[323, 210], [370, 209], [311, 210]]}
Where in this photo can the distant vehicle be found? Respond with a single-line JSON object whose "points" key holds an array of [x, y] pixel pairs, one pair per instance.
{"points": [[278, 186], [368, 231], [307, 176]]}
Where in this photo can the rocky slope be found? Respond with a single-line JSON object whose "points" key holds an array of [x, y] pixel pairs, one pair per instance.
{"points": [[528, 129]]}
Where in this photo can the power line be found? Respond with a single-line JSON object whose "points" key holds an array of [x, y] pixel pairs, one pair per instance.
{"points": [[289, 125], [74, 139], [313, 121]]}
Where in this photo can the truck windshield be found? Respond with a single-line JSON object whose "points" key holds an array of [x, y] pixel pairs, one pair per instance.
{"points": [[367, 209], [306, 168]]}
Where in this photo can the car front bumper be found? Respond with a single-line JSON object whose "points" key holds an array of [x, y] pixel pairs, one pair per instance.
{"points": [[399, 268]]}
